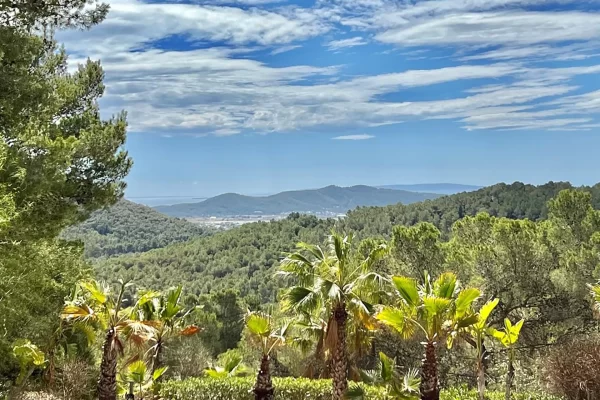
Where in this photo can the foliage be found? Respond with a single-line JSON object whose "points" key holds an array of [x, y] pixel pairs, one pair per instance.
{"points": [[230, 364], [30, 357], [127, 227], [572, 370], [48, 269]]}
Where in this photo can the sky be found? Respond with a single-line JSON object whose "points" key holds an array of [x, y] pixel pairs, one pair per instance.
{"points": [[260, 96]]}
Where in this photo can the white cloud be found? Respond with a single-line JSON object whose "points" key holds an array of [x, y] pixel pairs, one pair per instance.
{"points": [[354, 137], [496, 28], [343, 43], [134, 24]]}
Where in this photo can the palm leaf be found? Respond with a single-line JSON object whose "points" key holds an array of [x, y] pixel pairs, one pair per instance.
{"points": [[465, 300], [395, 318], [484, 314], [445, 285], [258, 324], [407, 288], [95, 291]]}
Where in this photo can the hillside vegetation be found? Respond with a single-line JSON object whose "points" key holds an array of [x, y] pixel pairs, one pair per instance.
{"points": [[245, 258], [332, 199], [129, 227]]}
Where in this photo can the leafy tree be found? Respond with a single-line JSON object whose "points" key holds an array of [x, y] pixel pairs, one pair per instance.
{"points": [[437, 310], [417, 248], [268, 338], [97, 305], [334, 283]]}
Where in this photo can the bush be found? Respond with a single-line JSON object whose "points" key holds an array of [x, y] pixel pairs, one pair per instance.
{"points": [[573, 370], [297, 389], [241, 389]]}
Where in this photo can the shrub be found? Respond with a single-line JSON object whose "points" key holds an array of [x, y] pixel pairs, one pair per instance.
{"points": [[573, 370], [298, 389]]}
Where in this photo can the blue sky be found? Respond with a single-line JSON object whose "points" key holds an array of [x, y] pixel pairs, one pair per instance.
{"points": [[259, 96]]}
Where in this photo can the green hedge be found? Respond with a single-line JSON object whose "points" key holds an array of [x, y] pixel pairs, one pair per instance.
{"points": [[296, 389], [241, 389]]}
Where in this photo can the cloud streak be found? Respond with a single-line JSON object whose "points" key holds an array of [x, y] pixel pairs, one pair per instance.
{"points": [[353, 137]]}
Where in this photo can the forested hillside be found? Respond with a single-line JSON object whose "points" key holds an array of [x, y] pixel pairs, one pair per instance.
{"points": [[333, 199], [129, 227], [515, 201], [245, 258]]}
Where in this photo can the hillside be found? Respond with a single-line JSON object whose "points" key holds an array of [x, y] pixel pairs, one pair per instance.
{"points": [[330, 199], [440, 188], [129, 227], [245, 258]]}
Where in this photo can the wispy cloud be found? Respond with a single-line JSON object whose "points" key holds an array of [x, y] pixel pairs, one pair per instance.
{"points": [[284, 49], [343, 43], [354, 137]]}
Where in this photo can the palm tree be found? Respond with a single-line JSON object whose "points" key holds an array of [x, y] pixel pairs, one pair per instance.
{"points": [[509, 337], [479, 330], [438, 310], [167, 315], [268, 337], [334, 283], [96, 305]]}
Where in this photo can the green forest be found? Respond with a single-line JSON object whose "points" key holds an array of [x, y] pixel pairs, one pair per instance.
{"points": [[491, 294]]}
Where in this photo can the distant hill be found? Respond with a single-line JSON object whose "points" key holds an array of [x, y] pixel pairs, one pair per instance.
{"points": [[129, 227], [333, 199], [441, 188]]}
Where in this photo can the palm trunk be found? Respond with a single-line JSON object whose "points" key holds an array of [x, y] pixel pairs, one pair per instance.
{"points": [[429, 374], [263, 389], [340, 358], [510, 376], [107, 384], [481, 368], [156, 361]]}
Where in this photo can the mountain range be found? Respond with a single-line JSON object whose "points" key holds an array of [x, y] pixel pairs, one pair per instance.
{"points": [[330, 199], [439, 188]]}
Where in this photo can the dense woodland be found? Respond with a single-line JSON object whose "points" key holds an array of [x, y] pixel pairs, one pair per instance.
{"points": [[491, 294]]}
